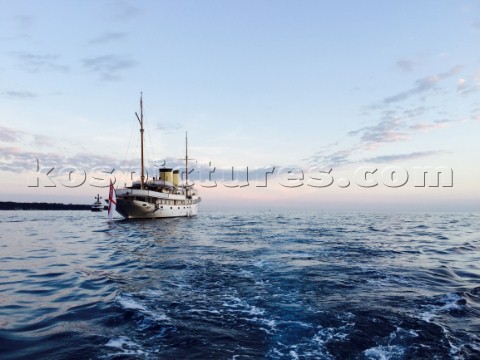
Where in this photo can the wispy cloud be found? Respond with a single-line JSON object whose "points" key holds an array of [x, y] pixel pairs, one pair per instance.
{"points": [[19, 94], [465, 87], [42, 140], [169, 127], [108, 38], [437, 124], [108, 67], [124, 11], [475, 114], [36, 63], [422, 85], [397, 124], [416, 112], [334, 158], [391, 128], [24, 22], [10, 135], [403, 157], [407, 65], [89, 160], [17, 159], [21, 26]]}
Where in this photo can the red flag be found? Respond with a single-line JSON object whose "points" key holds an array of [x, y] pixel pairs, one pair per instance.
{"points": [[112, 201]]}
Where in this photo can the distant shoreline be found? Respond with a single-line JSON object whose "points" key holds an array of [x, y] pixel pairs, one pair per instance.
{"points": [[11, 205]]}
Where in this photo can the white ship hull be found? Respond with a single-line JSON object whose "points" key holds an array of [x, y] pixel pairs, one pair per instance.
{"points": [[96, 207], [148, 204]]}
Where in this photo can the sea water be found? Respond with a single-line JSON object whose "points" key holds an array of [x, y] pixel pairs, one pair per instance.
{"points": [[240, 285]]}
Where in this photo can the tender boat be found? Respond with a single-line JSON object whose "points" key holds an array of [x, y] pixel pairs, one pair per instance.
{"points": [[97, 205]]}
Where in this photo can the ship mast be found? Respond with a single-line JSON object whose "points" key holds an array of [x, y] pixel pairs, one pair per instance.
{"points": [[140, 120], [186, 160]]}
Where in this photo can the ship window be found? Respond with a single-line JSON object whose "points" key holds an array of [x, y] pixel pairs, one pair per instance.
{"points": [[171, 207]]}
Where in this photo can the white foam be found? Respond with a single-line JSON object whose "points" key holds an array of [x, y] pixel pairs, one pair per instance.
{"points": [[157, 316], [293, 354], [259, 263], [216, 312], [384, 352], [235, 302], [446, 303], [255, 311], [130, 304], [246, 273], [152, 293], [242, 306], [125, 344]]}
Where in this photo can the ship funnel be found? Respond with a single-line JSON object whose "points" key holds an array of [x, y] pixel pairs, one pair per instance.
{"points": [[166, 175], [176, 177]]}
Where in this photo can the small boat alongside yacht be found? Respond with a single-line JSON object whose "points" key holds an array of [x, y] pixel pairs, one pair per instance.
{"points": [[97, 205]]}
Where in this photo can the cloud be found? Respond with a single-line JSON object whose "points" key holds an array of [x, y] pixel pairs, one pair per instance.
{"points": [[465, 87], [19, 94], [393, 126], [36, 63], [390, 129], [402, 157], [475, 114], [42, 140], [438, 124], [10, 135], [17, 159], [398, 123], [407, 65], [89, 160], [24, 22], [21, 26], [422, 85], [415, 113], [169, 127], [108, 38], [124, 11], [461, 84], [334, 159], [108, 66]]}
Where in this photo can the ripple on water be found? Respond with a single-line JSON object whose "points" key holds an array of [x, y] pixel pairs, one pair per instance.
{"points": [[261, 285]]}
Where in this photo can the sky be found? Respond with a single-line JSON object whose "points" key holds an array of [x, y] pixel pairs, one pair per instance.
{"points": [[341, 105]]}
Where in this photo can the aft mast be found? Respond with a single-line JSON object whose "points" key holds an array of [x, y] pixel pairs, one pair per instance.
{"points": [[140, 120], [186, 160]]}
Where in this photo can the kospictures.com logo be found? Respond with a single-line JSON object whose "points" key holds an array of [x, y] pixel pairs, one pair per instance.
{"points": [[209, 176]]}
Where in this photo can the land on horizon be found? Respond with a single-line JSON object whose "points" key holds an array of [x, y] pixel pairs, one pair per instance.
{"points": [[11, 205]]}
